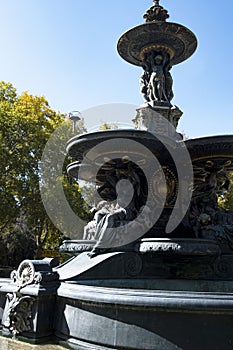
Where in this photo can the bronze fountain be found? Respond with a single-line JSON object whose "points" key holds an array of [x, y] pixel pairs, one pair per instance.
{"points": [[154, 267]]}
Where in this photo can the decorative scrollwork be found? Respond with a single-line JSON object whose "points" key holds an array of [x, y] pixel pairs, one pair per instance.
{"points": [[171, 188], [25, 274], [179, 247], [159, 247], [76, 247], [33, 272], [223, 267], [133, 265], [17, 317]]}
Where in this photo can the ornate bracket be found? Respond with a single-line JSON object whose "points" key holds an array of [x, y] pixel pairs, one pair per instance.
{"points": [[33, 272], [17, 316]]}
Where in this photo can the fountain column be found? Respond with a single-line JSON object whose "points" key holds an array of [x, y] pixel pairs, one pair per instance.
{"points": [[157, 46]]}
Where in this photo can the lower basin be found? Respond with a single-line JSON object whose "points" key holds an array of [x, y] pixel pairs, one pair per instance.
{"points": [[94, 317]]}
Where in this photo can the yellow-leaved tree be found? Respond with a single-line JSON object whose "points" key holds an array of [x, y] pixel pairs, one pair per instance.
{"points": [[26, 123]]}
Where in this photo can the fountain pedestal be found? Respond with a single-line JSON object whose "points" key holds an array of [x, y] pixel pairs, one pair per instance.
{"points": [[158, 120]]}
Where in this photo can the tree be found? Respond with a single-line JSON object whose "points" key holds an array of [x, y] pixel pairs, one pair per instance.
{"points": [[26, 123], [18, 243], [107, 126], [226, 201]]}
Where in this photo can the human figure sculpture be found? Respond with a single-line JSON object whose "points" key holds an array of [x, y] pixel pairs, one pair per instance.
{"points": [[107, 227], [145, 79], [103, 208], [206, 218], [124, 210], [144, 82], [205, 201], [168, 81], [156, 80]]}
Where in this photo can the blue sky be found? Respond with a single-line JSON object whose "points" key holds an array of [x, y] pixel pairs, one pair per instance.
{"points": [[66, 51]]}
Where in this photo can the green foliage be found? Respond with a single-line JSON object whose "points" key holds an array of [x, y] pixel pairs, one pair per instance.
{"points": [[107, 126], [26, 123], [18, 244], [7, 92], [226, 202]]}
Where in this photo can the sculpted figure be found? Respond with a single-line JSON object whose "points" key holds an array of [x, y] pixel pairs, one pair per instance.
{"points": [[157, 79], [108, 234], [144, 84], [168, 81], [103, 208], [145, 79], [206, 218]]}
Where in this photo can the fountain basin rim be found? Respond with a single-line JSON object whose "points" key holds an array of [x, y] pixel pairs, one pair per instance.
{"points": [[117, 133], [109, 134], [81, 144], [135, 41], [175, 300], [208, 138]]}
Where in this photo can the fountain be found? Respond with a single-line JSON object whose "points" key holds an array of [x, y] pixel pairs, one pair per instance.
{"points": [[154, 268]]}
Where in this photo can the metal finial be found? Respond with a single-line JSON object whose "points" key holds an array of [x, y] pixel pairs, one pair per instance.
{"points": [[156, 13]]}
